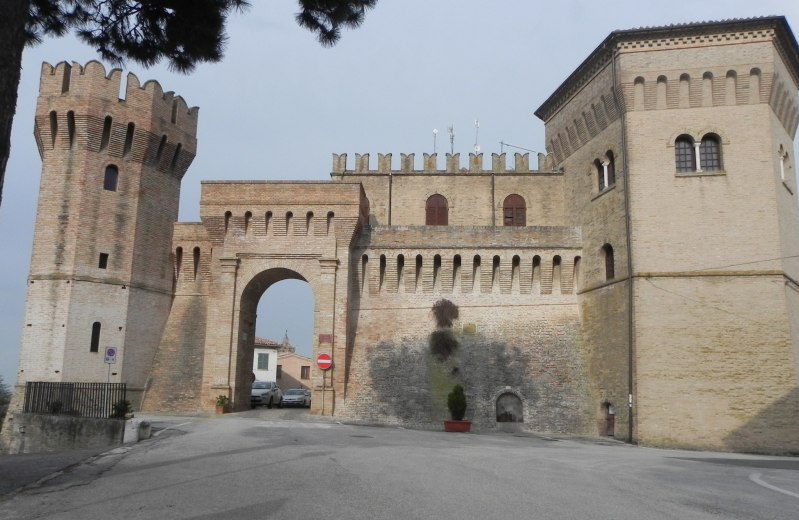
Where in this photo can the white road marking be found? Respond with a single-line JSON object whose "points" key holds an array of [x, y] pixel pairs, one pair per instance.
{"points": [[755, 477], [159, 432]]}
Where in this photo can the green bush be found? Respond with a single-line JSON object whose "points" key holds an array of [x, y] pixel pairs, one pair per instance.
{"points": [[456, 402], [120, 409]]}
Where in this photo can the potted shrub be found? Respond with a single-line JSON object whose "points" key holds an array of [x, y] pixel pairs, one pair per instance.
{"points": [[456, 402], [221, 403]]}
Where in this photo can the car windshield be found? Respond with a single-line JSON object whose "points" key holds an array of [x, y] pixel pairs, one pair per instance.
{"points": [[260, 384], [295, 392]]}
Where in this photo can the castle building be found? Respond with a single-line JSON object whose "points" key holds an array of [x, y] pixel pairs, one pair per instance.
{"points": [[641, 281]]}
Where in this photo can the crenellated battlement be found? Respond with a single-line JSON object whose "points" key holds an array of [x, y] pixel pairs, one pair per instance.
{"points": [[79, 106], [452, 164], [92, 81]]}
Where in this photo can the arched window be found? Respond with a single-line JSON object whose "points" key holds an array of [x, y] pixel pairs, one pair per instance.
{"points": [[710, 153], [196, 258], [247, 221], [71, 127], [53, 127], [268, 223], [178, 261], [330, 216], [476, 264], [418, 272], [456, 273], [684, 155], [610, 268], [514, 211], [382, 284], [400, 271], [161, 146], [600, 174], [436, 211], [289, 219], [364, 272], [111, 178], [176, 156], [610, 168], [784, 164], [660, 98], [309, 223], [228, 216], [95, 343], [106, 136], [129, 139], [606, 170]]}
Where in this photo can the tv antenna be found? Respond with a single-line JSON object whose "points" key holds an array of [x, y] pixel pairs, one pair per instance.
{"points": [[451, 131], [503, 144]]}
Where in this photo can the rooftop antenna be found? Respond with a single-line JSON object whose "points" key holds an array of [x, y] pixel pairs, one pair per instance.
{"points": [[476, 133], [435, 134], [451, 131], [503, 144]]}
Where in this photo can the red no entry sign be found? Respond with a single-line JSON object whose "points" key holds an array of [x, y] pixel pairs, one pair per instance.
{"points": [[324, 361]]}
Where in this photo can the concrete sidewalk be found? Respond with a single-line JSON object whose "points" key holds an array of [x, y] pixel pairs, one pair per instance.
{"points": [[17, 471]]}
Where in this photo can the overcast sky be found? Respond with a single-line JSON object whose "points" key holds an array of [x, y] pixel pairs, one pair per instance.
{"points": [[279, 104]]}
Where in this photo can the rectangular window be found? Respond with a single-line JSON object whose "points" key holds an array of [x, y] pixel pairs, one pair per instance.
{"points": [[103, 264], [279, 371], [305, 372], [263, 361]]}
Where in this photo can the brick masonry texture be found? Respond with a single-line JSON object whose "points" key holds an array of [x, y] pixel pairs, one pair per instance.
{"points": [[697, 325]]}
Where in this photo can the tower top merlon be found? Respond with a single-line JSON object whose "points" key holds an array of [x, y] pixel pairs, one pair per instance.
{"points": [[430, 164], [66, 80]]}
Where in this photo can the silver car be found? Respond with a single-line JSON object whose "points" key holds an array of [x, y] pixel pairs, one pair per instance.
{"points": [[297, 397], [266, 393]]}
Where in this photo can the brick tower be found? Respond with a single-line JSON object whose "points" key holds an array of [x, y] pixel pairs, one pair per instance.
{"points": [[101, 274]]}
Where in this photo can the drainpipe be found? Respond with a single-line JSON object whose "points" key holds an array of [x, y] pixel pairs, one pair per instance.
{"points": [[628, 237]]}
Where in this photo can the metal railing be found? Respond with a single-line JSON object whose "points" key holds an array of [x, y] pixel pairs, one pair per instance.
{"points": [[75, 399]]}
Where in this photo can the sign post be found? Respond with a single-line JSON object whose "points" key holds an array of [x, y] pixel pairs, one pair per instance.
{"points": [[325, 363], [110, 359]]}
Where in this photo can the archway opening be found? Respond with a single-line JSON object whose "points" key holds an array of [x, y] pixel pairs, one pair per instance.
{"points": [[607, 420], [285, 316], [276, 331], [510, 412]]}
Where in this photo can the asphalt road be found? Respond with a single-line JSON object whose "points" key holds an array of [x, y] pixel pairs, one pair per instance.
{"points": [[281, 464]]}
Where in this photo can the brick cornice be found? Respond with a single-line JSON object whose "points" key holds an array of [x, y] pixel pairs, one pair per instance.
{"points": [[783, 38]]}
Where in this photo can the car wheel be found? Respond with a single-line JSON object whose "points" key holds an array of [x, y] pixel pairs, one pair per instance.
{"points": [[280, 403], [269, 404]]}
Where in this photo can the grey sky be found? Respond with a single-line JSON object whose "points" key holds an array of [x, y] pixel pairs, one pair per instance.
{"points": [[279, 104]]}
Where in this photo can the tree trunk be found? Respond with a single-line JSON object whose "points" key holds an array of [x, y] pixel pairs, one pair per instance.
{"points": [[13, 16]]}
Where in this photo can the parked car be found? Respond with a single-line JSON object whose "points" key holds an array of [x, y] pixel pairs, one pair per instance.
{"points": [[266, 393], [297, 397]]}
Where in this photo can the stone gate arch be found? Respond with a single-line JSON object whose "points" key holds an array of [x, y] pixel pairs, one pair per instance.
{"points": [[212, 321], [232, 318]]}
